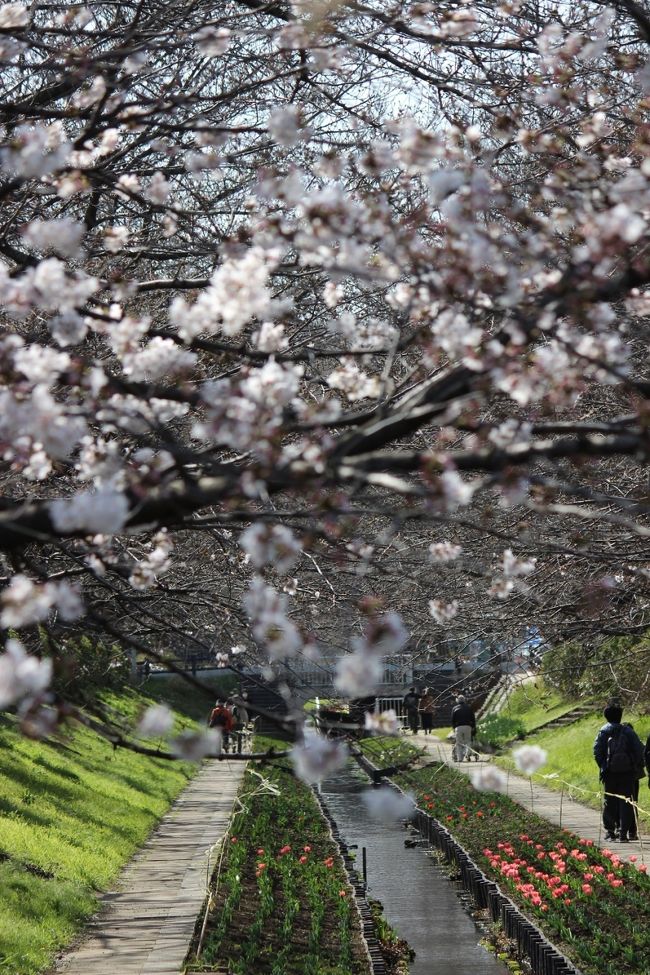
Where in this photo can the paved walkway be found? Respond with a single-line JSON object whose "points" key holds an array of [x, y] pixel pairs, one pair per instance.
{"points": [[144, 927], [558, 809]]}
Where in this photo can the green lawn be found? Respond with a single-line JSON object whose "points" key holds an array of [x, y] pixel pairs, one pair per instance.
{"points": [[534, 704], [72, 813], [570, 763]]}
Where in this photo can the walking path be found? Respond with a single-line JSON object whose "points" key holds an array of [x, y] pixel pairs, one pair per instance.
{"points": [[555, 807], [144, 927]]}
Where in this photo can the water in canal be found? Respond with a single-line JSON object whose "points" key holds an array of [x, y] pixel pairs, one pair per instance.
{"points": [[418, 899]]}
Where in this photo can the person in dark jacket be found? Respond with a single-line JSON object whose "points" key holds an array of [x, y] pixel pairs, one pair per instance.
{"points": [[411, 702], [639, 774], [619, 753], [463, 721], [427, 707]]}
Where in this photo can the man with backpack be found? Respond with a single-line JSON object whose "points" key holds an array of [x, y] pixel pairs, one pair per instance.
{"points": [[619, 754], [221, 717]]}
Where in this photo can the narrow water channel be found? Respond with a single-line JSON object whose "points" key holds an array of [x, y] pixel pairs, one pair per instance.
{"points": [[418, 899]]}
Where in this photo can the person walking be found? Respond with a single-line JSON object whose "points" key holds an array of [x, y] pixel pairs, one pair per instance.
{"points": [[639, 773], [618, 752], [411, 702], [427, 708], [240, 713], [221, 718], [463, 721]]}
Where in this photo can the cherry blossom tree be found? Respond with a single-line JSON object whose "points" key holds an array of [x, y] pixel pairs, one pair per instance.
{"points": [[323, 324]]}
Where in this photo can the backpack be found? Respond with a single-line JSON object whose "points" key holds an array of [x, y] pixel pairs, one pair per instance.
{"points": [[619, 758], [219, 718]]}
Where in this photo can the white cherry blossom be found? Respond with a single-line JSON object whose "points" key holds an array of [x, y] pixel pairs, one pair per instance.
{"points": [[159, 357], [274, 545], [456, 492], [147, 571], [63, 235], [212, 41], [159, 189], [384, 634], [116, 238], [104, 512], [358, 673], [514, 567], [501, 588], [388, 805], [529, 758], [41, 364], [156, 721], [316, 757], [68, 329], [14, 15], [441, 611], [24, 602], [353, 381], [193, 746], [284, 125], [444, 551], [271, 337], [382, 722], [34, 150], [21, 674], [489, 778], [270, 622]]}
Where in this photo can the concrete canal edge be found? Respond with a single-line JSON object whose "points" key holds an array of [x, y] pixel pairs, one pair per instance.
{"points": [[368, 933], [544, 957]]}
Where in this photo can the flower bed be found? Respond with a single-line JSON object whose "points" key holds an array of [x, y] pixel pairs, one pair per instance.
{"points": [[283, 903], [586, 900]]}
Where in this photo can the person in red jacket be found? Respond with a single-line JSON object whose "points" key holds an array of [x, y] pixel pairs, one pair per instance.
{"points": [[221, 717]]}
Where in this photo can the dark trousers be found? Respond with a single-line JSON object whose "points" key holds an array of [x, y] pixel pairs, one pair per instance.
{"points": [[427, 720], [635, 812], [413, 720], [618, 815]]}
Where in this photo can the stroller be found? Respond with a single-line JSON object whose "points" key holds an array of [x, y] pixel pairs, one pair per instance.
{"points": [[473, 753]]}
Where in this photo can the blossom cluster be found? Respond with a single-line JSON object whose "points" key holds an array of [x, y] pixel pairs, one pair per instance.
{"points": [[270, 622], [274, 545], [147, 571], [316, 757], [24, 602], [359, 672], [22, 675]]}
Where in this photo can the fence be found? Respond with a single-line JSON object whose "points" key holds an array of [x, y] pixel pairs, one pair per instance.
{"points": [[395, 704]]}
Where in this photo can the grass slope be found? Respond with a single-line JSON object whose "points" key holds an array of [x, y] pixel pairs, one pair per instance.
{"points": [[72, 812], [534, 704]]}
